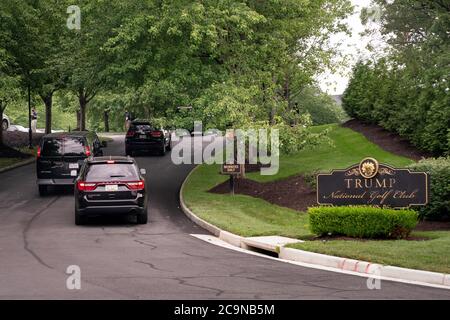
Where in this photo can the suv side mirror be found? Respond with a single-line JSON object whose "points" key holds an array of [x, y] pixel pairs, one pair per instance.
{"points": [[143, 171]]}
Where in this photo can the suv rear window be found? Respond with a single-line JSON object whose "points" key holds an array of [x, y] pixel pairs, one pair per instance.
{"points": [[141, 127], [112, 172], [74, 146], [71, 146], [52, 148]]}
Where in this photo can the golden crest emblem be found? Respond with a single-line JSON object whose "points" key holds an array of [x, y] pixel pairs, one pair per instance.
{"points": [[368, 168]]}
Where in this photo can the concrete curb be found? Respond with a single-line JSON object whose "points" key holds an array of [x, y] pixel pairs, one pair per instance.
{"points": [[18, 164], [323, 260]]}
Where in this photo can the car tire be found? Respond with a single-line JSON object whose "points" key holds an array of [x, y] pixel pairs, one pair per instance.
{"points": [[43, 190], [128, 153], [169, 146], [142, 218], [79, 219], [5, 125], [163, 149]]}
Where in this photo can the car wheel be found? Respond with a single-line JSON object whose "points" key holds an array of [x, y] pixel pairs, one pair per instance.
{"points": [[169, 146], [43, 191], [163, 149], [128, 153], [79, 219], [4, 125], [142, 218]]}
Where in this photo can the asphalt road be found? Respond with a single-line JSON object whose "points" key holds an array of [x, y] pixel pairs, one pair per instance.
{"points": [[160, 260]]}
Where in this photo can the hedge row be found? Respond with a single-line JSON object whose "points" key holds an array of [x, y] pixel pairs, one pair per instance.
{"points": [[362, 222], [413, 103], [438, 170]]}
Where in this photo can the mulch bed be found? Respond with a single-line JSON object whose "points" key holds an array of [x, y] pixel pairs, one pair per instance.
{"points": [[433, 226], [20, 139], [292, 192], [387, 140]]}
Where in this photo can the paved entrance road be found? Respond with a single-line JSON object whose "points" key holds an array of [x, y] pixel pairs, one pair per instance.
{"points": [[161, 260]]}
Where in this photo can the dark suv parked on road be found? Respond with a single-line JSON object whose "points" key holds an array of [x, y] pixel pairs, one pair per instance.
{"points": [[110, 185], [143, 136], [60, 156]]}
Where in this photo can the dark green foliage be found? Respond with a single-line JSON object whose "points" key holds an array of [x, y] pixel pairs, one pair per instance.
{"points": [[362, 221], [417, 108], [439, 172], [408, 91]]}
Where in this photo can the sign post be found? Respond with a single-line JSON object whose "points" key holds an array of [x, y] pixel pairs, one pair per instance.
{"points": [[232, 170], [373, 183]]}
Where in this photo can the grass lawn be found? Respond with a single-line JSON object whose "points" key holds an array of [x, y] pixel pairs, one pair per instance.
{"points": [[349, 148], [6, 162], [431, 255], [248, 216]]}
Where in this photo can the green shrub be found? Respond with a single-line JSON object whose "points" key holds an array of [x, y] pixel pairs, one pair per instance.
{"points": [[362, 221], [439, 172]]}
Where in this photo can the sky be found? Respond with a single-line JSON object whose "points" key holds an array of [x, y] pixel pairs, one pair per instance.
{"points": [[335, 83]]}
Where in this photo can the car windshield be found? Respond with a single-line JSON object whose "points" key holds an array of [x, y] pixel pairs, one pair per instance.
{"points": [[52, 148], [74, 146], [112, 172]]}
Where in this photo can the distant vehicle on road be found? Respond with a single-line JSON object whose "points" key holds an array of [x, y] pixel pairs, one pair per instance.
{"points": [[110, 186], [60, 156], [5, 122], [144, 136]]}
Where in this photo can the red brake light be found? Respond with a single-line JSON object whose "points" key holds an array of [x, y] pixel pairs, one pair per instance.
{"points": [[38, 153], [156, 134], [83, 186], [130, 133], [136, 185], [88, 151]]}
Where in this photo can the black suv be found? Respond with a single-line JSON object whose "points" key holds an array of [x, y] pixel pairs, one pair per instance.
{"points": [[143, 136], [110, 185], [60, 156]]}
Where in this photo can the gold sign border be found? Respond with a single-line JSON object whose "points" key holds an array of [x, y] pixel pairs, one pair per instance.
{"points": [[380, 164]]}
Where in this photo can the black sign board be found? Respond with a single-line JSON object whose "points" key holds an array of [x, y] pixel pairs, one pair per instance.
{"points": [[371, 183], [228, 168]]}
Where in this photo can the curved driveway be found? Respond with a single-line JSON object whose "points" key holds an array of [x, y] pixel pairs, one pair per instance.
{"points": [[160, 260]]}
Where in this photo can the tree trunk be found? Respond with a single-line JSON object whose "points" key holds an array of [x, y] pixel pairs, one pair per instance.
{"points": [[83, 103], [106, 118], [48, 101], [78, 120]]}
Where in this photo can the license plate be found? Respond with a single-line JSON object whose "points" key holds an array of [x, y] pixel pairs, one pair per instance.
{"points": [[73, 166], [111, 187], [143, 136]]}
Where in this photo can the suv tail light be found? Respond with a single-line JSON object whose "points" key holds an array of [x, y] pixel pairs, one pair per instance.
{"points": [[38, 153], [87, 151], [130, 134], [156, 134], [136, 185], [84, 186]]}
